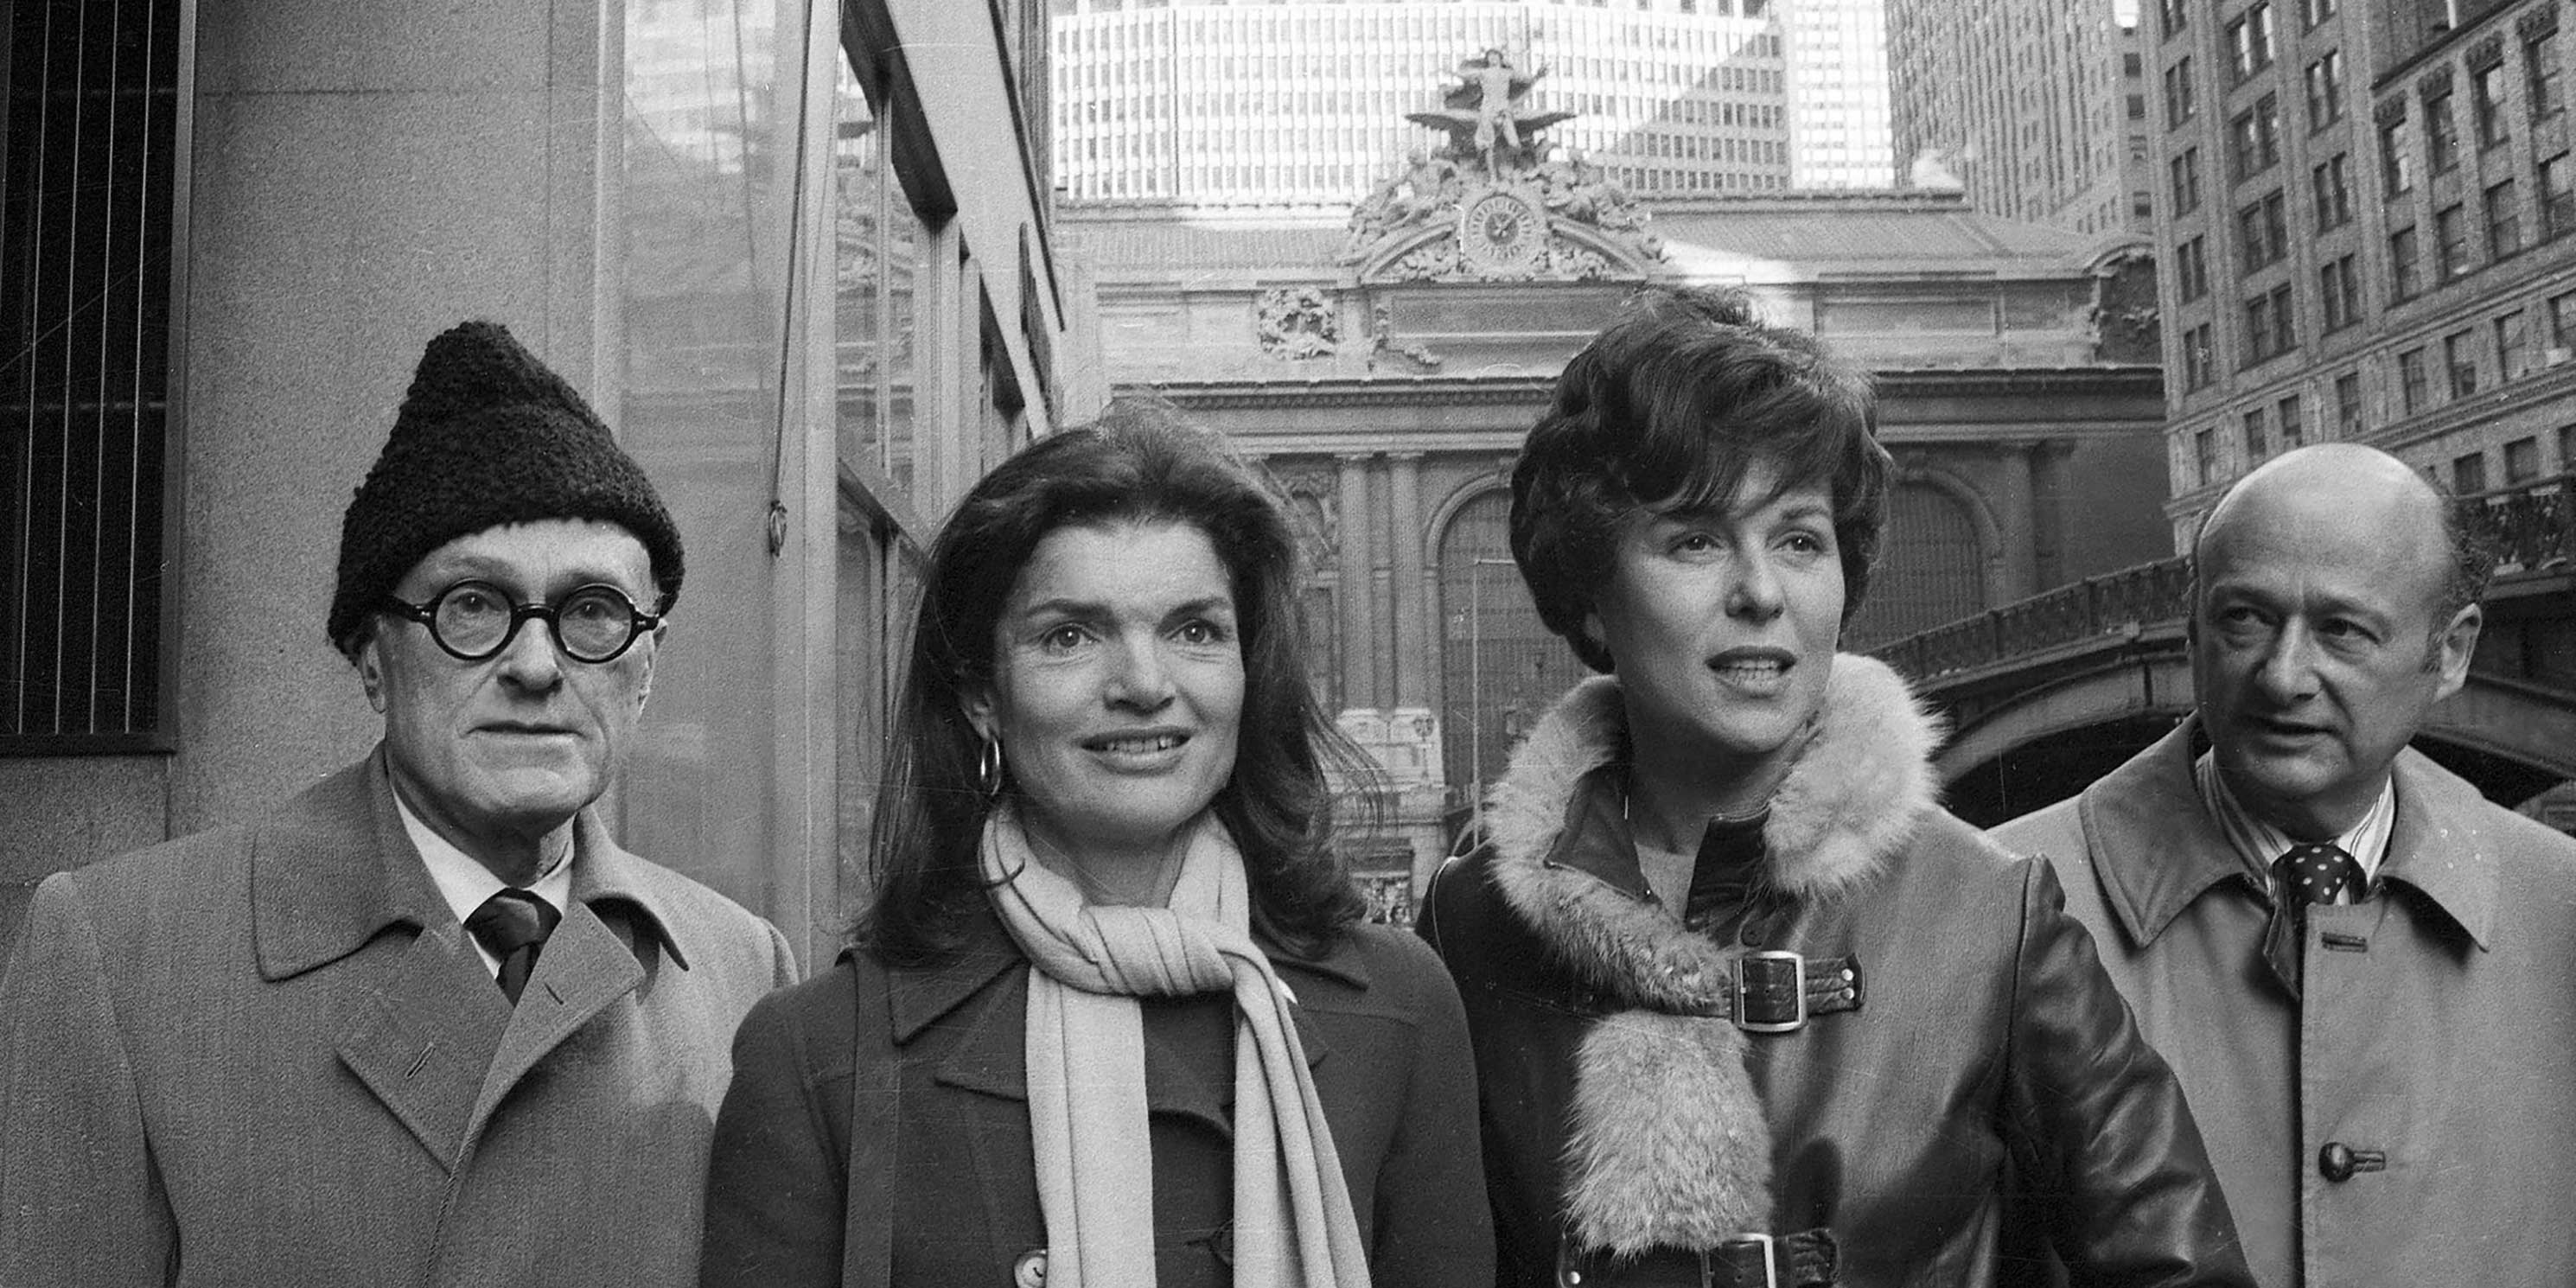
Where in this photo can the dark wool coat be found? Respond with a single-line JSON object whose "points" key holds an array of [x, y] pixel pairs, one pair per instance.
{"points": [[268, 1054], [1986, 1032], [923, 1071], [2436, 1045]]}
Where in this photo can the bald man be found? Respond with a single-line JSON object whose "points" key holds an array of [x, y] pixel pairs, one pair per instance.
{"points": [[2364, 973]]}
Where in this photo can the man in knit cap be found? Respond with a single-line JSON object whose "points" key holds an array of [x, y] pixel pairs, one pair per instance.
{"points": [[424, 1023]]}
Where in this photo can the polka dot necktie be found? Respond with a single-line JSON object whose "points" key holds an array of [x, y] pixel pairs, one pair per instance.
{"points": [[513, 925], [2303, 877]]}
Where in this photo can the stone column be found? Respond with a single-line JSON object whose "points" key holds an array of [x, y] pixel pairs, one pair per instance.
{"points": [[1358, 609], [1412, 609], [2016, 518]]}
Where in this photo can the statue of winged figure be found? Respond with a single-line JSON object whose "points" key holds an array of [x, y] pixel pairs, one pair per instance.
{"points": [[1483, 114]]}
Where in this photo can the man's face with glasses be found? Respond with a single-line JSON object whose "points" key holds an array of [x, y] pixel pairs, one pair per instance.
{"points": [[510, 665]]}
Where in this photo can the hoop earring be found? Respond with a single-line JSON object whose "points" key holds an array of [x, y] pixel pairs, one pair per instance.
{"points": [[988, 768]]}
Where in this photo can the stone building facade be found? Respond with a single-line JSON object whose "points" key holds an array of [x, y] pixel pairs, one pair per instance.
{"points": [[1386, 367]]}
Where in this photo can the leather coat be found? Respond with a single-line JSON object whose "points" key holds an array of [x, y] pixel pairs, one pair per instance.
{"points": [[1976, 1039]]}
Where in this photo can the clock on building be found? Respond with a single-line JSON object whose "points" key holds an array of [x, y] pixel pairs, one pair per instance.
{"points": [[1501, 231]]}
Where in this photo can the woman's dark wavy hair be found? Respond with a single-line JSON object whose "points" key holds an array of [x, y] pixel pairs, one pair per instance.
{"points": [[1668, 408], [1135, 464]]}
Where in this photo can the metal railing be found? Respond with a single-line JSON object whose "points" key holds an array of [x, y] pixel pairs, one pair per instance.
{"points": [[2530, 528]]}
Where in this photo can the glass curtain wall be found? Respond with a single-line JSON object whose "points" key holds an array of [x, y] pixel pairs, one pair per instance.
{"points": [[760, 301]]}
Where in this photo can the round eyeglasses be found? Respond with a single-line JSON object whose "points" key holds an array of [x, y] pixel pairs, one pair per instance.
{"points": [[475, 620]]}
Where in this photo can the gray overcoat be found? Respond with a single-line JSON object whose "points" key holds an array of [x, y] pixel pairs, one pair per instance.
{"points": [[268, 1054], [2414, 1121]]}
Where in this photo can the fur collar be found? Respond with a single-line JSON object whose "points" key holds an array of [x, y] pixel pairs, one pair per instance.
{"points": [[1669, 1144], [1849, 802]]}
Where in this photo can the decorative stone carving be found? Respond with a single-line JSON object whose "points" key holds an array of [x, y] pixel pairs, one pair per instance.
{"points": [[1299, 323], [1496, 201]]}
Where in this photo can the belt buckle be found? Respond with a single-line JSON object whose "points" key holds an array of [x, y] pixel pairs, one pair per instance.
{"points": [[1767, 963], [1770, 1263]]}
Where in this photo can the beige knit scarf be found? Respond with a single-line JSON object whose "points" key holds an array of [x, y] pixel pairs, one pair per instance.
{"points": [[1293, 1224]]}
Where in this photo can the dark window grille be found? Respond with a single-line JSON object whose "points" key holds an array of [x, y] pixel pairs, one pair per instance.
{"points": [[88, 204]]}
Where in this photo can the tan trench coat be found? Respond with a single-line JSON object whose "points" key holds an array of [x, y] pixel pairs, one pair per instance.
{"points": [[267, 1054], [2438, 1034]]}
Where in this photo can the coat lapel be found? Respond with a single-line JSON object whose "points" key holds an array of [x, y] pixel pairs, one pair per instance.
{"points": [[331, 874], [422, 1044], [588, 963]]}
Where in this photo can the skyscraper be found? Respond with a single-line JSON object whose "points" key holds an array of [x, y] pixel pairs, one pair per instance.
{"points": [[2037, 108], [1220, 102], [2365, 236]]}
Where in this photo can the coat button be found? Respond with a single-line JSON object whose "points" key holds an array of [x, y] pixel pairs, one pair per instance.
{"points": [[2335, 1162], [1030, 1270]]}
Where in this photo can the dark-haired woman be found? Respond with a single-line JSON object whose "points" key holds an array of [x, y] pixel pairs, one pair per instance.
{"points": [[1111, 1019], [1749, 1008]]}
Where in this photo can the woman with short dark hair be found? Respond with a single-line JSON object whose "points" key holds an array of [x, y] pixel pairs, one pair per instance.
{"points": [[1111, 1017], [1748, 1007]]}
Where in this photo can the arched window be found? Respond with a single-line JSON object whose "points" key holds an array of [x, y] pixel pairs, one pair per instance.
{"points": [[1500, 668], [1931, 569]]}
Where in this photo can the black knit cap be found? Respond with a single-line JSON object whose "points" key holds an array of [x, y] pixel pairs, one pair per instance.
{"points": [[487, 436]]}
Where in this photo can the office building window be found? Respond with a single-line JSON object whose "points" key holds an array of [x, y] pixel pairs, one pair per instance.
{"points": [[2567, 449], [2540, 59], [2257, 444], [2460, 359], [2325, 90], [2197, 368], [2249, 40], [2339, 294], [2441, 132], [2469, 474], [2521, 461], [2204, 454], [2414, 386], [2269, 329], [2191, 268], [2179, 104], [2333, 184], [2347, 391], [2291, 421], [2402, 265], [2504, 220], [2185, 168], [2513, 346], [2254, 138], [2312, 12], [2562, 321], [2486, 98], [2262, 232], [2557, 197], [2396, 162], [2170, 17], [2450, 242]]}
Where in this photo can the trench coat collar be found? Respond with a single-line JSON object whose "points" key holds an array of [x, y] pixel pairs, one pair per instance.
{"points": [[982, 983], [335, 868], [2158, 850], [2442, 847]]}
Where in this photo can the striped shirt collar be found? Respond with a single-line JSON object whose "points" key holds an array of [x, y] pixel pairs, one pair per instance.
{"points": [[2261, 845]]}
